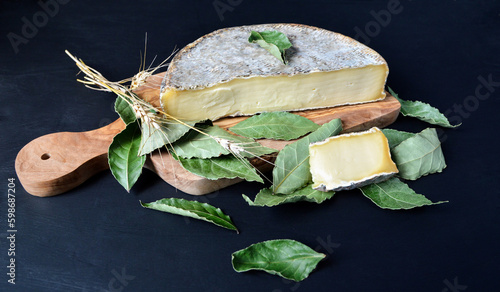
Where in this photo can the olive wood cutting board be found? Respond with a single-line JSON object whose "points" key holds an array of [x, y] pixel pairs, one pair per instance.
{"points": [[58, 162]]}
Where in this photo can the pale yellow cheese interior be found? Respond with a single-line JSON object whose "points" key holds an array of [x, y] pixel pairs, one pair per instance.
{"points": [[350, 160], [247, 96]]}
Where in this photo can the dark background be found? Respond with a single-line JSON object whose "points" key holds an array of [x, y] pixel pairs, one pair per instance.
{"points": [[437, 51]]}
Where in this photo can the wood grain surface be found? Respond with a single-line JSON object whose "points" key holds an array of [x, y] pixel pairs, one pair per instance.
{"points": [[58, 162]]}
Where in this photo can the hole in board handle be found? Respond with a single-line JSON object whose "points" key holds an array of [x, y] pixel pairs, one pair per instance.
{"points": [[45, 156]]}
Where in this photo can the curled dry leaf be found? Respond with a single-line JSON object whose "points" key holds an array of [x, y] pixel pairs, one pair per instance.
{"points": [[395, 195], [307, 194], [193, 209], [419, 155], [423, 111]]}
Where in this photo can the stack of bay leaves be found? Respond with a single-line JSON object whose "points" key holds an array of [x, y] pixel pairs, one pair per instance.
{"points": [[211, 152]]}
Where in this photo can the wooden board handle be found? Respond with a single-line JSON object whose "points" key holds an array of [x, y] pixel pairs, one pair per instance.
{"points": [[55, 163]]}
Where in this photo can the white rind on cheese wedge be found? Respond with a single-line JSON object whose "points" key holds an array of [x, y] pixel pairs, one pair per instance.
{"points": [[222, 74], [351, 161]]}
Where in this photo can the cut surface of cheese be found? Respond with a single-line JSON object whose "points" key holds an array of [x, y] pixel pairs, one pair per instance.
{"points": [[351, 160], [222, 74]]}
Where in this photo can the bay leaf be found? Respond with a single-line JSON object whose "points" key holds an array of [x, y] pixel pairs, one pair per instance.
{"points": [[274, 42], [395, 137], [226, 166], [124, 110], [395, 195], [287, 258], [168, 132], [193, 209], [198, 145], [419, 155], [275, 125], [423, 111], [123, 156], [266, 197], [292, 169]]}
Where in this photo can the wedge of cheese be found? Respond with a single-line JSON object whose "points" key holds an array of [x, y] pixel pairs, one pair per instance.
{"points": [[351, 160], [222, 74]]}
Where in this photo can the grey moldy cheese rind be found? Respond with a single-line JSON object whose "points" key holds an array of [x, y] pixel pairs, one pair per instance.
{"points": [[226, 55], [354, 185]]}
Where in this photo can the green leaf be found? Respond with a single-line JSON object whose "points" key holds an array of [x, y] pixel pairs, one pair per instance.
{"points": [[193, 209], [152, 137], [197, 145], [423, 111], [124, 162], [419, 155], [274, 42], [287, 258], [266, 197], [167, 133], [124, 110], [226, 166], [395, 137], [395, 195], [291, 171], [275, 125]]}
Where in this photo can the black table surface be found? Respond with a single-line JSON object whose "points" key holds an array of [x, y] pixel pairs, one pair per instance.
{"points": [[98, 238]]}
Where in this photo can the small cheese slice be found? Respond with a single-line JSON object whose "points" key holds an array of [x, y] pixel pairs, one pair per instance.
{"points": [[222, 74], [350, 161]]}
